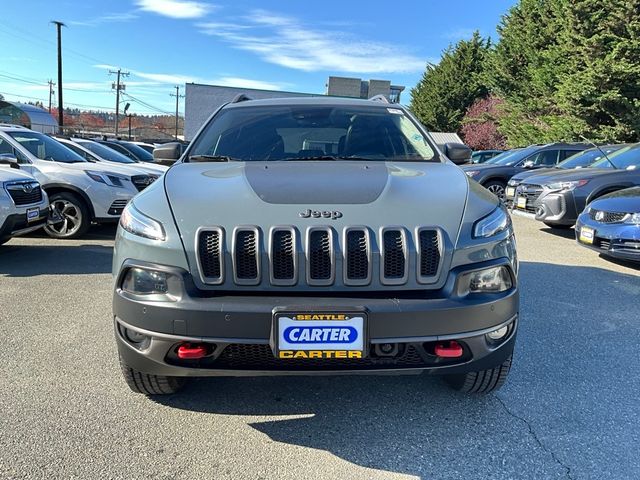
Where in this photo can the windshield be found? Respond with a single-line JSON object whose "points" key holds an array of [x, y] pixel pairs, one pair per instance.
{"points": [[502, 155], [104, 152], [138, 151], [313, 132], [511, 158], [46, 148], [586, 157], [624, 158]]}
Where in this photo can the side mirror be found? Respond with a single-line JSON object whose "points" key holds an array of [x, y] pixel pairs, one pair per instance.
{"points": [[9, 159], [168, 153], [458, 153]]}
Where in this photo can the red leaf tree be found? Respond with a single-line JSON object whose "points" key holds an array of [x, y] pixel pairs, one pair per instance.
{"points": [[480, 124]]}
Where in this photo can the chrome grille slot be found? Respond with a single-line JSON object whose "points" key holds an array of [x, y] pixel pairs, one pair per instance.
{"points": [[428, 254], [24, 193], [210, 255], [246, 256], [394, 256], [607, 217], [357, 258], [283, 256], [320, 257]]}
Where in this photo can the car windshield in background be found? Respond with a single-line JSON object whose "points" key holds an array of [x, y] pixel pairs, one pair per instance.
{"points": [[512, 158], [502, 155], [585, 158], [313, 133], [46, 148], [627, 157], [104, 152], [138, 151]]}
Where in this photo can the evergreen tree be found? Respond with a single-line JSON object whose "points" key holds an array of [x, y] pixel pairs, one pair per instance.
{"points": [[448, 89]]}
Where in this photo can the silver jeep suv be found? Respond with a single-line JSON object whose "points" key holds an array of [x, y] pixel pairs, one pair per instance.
{"points": [[314, 236]]}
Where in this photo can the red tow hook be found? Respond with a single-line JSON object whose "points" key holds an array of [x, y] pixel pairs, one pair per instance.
{"points": [[187, 351], [451, 349]]}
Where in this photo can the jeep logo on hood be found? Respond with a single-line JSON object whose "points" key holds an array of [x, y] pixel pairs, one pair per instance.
{"points": [[308, 213]]}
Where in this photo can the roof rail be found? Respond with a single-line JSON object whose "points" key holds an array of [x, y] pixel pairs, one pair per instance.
{"points": [[379, 98], [12, 125], [241, 97]]}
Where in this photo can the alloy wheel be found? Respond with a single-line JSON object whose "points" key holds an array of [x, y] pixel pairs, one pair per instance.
{"points": [[71, 218]]}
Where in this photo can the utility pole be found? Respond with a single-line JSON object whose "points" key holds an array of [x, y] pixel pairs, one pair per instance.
{"points": [[117, 86], [129, 116], [59, 26], [178, 97], [51, 92]]}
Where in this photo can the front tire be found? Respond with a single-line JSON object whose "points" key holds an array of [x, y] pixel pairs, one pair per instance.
{"points": [[75, 215], [497, 188], [151, 384], [484, 381]]}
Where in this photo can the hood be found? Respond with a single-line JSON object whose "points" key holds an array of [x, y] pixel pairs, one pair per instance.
{"points": [[8, 174], [627, 201], [482, 167], [266, 194], [570, 175], [120, 169]]}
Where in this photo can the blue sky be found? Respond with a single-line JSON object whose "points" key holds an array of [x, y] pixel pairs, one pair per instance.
{"points": [[284, 45]]}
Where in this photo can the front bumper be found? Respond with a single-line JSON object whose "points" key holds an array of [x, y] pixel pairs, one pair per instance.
{"points": [[238, 327], [617, 240], [17, 224]]}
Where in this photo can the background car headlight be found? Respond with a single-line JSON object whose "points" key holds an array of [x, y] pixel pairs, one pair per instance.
{"points": [[566, 186], [488, 280], [492, 224], [633, 219], [159, 286], [472, 173], [108, 178], [139, 224]]}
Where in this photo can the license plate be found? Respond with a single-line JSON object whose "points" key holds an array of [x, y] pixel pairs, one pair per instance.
{"points": [[587, 234], [319, 334], [511, 192], [522, 202], [33, 214]]}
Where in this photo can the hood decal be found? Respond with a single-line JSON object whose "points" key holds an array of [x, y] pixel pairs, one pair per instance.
{"points": [[314, 183]]}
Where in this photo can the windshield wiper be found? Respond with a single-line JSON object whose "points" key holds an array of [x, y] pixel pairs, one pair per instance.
{"points": [[317, 157], [212, 158]]}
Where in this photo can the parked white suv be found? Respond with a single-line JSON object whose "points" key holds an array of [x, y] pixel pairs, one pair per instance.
{"points": [[97, 152], [80, 192], [24, 206]]}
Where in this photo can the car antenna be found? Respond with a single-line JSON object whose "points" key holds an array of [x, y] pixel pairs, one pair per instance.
{"points": [[600, 150]]}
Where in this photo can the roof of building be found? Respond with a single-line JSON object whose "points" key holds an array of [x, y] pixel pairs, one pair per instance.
{"points": [[36, 119], [442, 138]]}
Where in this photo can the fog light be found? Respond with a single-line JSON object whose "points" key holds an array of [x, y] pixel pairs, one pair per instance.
{"points": [[133, 336], [499, 333]]}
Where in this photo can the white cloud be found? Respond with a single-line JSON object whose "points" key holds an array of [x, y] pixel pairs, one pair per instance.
{"points": [[158, 79], [287, 42], [110, 18], [459, 34], [176, 8]]}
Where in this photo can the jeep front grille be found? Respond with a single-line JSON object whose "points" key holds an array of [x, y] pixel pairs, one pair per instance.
{"points": [[319, 256]]}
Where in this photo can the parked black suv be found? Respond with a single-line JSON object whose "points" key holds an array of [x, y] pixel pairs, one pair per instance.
{"points": [[495, 175]]}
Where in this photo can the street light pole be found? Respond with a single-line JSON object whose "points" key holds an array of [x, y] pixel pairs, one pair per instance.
{"points": [[59, 26]]}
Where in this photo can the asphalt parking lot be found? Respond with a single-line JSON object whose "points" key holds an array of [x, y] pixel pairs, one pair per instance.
{"points": [[570, 409]]}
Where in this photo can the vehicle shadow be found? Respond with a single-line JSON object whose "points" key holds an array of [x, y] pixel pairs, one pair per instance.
{"points": [[20, 260], [105, 231], [564, 406], [560, 232]]}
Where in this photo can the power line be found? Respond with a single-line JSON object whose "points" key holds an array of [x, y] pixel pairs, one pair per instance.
{"points": [[145, 104]]}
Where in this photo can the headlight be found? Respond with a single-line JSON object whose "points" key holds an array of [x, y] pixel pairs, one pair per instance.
{"points": [[157, 285], [108, 178], [488, 280], [494, 223], [566, 186], [633, 219], [472, 173], [139, 224], [513, 183]]}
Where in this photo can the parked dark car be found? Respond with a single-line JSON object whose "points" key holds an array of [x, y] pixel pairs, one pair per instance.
{"points": [[579, 160], [495, 174], [481, 156], [558, 198], [131, 150], [611, 225]]}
